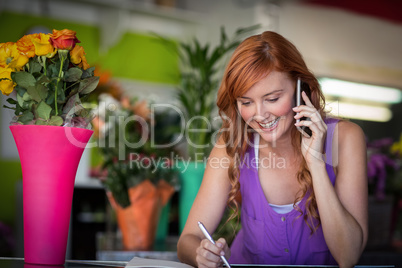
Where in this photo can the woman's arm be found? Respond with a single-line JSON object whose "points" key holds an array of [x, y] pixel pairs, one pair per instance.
{"points": [[343, 208], [208, 207]]}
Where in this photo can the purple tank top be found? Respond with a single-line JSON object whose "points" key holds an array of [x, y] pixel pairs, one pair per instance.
{"points": [[267, 237]]}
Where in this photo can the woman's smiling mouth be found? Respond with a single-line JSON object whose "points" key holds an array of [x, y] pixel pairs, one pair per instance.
{"points": [[270, 125]]}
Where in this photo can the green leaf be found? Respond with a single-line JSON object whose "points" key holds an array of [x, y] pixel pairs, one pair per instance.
{"points": [[41, 122], [11, 101], [18, 110], [73, 74], [88, 85], [37, 92], [12, 108], [26, 117], [42, 86], [23, 101], [56, 121], [34, 67], [72, 91], [26, 97], [88, 72], [44, 80], [70, 104], [43, 110], [61, 95], [24, 79], [20, 90], [223, 35]]}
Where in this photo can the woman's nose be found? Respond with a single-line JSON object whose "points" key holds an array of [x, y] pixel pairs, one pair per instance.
{"points": [[261, 112]]}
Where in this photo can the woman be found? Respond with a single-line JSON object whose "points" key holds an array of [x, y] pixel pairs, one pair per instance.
{"points": [[304, 199]]}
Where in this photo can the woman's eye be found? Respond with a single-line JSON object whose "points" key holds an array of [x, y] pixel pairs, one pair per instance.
{"points": [[244, 102], [272, 100]]}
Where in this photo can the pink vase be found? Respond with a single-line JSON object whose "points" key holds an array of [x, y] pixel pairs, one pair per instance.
{"points": [[49, 158]]}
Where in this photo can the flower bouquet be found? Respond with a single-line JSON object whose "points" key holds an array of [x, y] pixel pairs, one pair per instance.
{"points": [[50, 77]]}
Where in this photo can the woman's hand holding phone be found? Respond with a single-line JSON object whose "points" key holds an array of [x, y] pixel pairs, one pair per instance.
{"points": [[312, 145], [303, 129]]}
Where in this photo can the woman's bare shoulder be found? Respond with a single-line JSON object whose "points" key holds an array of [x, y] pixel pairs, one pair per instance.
{"points": [[348, 131], [219, 149], [348, 139], [218, 160]]}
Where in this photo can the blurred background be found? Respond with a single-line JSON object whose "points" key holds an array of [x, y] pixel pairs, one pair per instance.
{"points": [[353, 47]]}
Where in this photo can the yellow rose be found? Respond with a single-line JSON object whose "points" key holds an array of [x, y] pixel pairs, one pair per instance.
{"points": [[5, 54], [42, 44], [11, 57], [26, 46], [6, 84], [78, 57]]}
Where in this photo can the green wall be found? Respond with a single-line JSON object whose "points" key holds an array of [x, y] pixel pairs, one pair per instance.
{"points": [[141, 57], [136, 56]]}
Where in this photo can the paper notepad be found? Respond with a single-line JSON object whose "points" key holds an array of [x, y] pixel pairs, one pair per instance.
{"points": [[143, 262]]}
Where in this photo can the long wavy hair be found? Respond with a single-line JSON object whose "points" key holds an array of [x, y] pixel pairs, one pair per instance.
{"points": [[253, 60]]}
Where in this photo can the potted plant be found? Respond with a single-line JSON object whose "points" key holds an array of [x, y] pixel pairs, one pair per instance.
{"points": [[385, 187], [200, 76], [50, 77], [139, 177]]}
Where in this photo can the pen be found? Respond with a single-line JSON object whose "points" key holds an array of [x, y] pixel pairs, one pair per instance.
{"points": [[208, 236]]}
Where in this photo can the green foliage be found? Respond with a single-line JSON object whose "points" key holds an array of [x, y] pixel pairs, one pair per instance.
{"points": [[49, 92], [200, 78]]}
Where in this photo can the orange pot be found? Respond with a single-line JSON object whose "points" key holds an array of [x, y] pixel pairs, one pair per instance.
{"points": [[138, 222]]}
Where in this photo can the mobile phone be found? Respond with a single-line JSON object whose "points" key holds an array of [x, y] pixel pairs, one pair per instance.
{"points": [[299, 101]]}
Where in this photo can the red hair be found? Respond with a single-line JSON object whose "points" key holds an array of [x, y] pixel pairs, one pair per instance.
{"points": [[252, 60]]}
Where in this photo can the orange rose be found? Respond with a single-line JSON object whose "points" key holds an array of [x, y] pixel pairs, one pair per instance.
{"points": [[78, 57], [25, 45], [64, 39]]}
